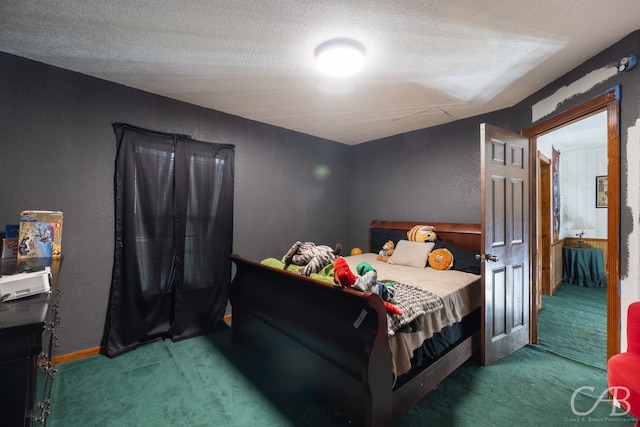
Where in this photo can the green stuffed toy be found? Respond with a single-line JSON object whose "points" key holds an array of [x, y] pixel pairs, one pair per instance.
{"points": [[366, 281]]}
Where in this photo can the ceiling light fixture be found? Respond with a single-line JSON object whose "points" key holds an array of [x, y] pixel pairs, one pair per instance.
{"points": [[340, 57]]}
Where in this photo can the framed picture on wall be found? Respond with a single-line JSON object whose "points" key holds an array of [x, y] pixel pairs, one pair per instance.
{"points": [[602, 188]]}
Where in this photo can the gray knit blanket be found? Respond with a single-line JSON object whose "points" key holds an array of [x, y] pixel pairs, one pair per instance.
{"points": [[413, 302]]}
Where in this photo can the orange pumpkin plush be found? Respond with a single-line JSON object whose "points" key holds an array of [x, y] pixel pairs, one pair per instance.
{"points": [[440, 259]]}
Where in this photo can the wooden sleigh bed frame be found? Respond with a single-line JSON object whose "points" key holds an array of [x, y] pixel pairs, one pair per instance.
{"points": [[310, 327]]}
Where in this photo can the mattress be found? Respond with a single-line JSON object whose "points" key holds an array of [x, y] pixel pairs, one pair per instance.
{"points": [[460, 293]]}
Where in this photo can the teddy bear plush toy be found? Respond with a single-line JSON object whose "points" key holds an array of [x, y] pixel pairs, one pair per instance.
{"points": [[386, 251], [422, 233], [366, 281]]}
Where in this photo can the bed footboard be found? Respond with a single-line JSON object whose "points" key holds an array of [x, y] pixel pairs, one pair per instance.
{"points": [[300, 323]]}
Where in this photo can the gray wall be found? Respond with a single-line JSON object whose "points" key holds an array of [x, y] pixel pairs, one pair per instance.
{"points": [[427, 175], [629, 112], [434, 173], [58, 153]]}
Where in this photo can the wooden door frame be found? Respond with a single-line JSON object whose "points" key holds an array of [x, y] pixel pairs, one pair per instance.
{"points": [[544, 218], [540, 217], [610, 102]]}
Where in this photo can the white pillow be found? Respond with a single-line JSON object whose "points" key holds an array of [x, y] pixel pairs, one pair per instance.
{"points": [[411, 254]]}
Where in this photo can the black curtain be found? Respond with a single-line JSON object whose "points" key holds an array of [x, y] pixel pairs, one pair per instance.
{"points": [[173, 237]]}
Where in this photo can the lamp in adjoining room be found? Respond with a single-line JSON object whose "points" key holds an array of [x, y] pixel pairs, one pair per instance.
{"points": [[581, 224], [340, 57]]}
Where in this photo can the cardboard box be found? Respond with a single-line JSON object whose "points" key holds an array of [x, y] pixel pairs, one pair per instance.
{"points": [[40, 234]]}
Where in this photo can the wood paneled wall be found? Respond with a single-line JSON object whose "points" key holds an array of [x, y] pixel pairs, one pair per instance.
{"points": [[556, 265]]}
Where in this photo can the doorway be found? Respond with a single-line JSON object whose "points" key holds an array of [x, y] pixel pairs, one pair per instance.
{"points": [[607, 102], [567, 194]]}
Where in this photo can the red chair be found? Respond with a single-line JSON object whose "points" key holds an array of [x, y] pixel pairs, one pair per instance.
{"points": [[623, 370]]}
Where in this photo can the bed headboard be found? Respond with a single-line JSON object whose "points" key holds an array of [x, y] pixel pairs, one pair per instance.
{"points": [[465, 235]]}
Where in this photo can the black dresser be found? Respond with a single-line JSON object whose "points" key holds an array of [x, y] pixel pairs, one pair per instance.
{"points": [[28, 340]]}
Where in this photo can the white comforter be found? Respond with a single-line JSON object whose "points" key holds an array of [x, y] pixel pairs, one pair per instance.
{"points": [[460, 292]]}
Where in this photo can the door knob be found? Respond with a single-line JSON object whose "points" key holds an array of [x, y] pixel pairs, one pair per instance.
{"points": [[487, 257]]}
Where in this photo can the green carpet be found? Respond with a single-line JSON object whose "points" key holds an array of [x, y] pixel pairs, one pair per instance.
{"points": [[206, 381], [573, 324]]}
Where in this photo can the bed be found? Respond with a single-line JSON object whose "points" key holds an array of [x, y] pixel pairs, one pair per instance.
{"points": [[339, 339]]}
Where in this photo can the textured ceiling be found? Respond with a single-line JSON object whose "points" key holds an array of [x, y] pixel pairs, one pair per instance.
{"points": [[428, 62]]}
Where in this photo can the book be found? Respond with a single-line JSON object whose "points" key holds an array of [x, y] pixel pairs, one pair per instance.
{"points": [[40, 234], [10, 241]]}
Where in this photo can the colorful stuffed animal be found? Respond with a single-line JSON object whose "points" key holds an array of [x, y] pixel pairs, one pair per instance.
{"points": [[422, 233], [371, 284], [342, 274], [311, 257], [365, 282], [386, 251]]}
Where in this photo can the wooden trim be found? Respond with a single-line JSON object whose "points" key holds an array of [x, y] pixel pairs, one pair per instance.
{"points": [[607, 101], [465, 235], [613, 231], [593, 106], [77, 355], [94, 351]]}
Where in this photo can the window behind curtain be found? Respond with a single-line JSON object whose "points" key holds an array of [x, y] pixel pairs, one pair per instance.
{"points": [[174, 220], [153, 213], [200, 235]]}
